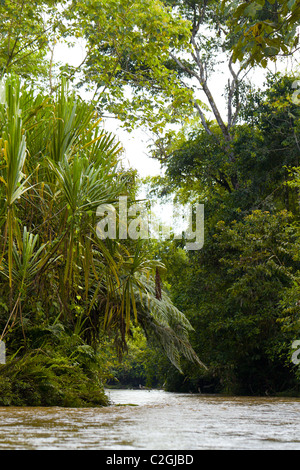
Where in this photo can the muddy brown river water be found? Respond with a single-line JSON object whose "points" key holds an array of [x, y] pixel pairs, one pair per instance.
{"points": [[142, 419]]}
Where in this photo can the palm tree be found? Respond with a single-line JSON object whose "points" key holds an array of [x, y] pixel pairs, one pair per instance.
{"points": [[57, 165]]}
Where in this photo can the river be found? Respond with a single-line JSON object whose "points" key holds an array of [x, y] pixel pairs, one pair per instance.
{"points": [[155, 419]]}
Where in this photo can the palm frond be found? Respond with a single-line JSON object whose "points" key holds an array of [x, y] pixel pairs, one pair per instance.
{"points": [[163, 321]]}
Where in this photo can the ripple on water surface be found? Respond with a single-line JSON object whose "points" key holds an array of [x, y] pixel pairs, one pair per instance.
{"points": [[142, 419]]}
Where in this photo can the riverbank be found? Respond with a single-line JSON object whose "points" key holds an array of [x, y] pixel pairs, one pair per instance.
{"points": [[42, 381]]}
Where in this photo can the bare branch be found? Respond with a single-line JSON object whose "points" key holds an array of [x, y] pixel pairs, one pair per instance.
{"points": [[203, 82], [202, 117]]}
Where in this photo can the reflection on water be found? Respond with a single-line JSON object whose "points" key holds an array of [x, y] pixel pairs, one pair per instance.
{"points": [[159, 420]]}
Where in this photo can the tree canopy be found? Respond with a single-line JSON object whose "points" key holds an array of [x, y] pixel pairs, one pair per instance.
{"points": [[265, 29]]}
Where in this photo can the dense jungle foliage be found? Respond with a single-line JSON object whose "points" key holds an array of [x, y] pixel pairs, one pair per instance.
{"points": [[79, 312], [64, 288], [241, 291]]}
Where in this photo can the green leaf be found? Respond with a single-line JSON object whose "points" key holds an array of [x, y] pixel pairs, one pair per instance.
{"points": [[252, 9]]}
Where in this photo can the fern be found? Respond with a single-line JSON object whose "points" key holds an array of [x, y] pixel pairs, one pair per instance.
{"points": [[161, 319]]}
